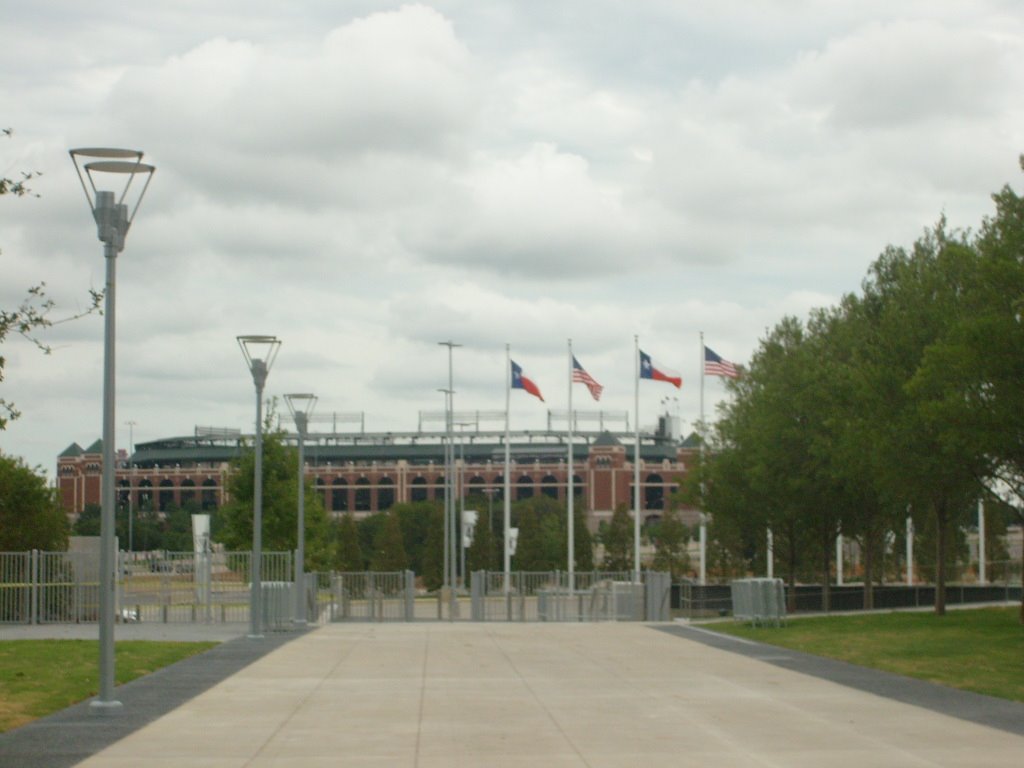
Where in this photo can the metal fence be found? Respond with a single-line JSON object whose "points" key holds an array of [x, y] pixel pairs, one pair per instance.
{"points": [[548, 596], [694, 601], [371, 596], [170, 587]]}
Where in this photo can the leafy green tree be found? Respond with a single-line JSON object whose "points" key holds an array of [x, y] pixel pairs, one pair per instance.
{"points": [[389, 548], [433, 551], [415, 521], [542, 536], [582, 540], [30, 513], [32, 315], [482, 554], [922, 459], [348, 556], [369, 531], [617, 539], [177, 527], [670, 539], [88, 521], [280, 505]]}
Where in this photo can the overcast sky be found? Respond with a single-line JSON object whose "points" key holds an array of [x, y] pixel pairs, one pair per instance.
{"points": [[365, 179]]}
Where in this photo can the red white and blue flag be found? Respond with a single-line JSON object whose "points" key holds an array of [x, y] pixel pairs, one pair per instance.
{"points": [[651, 370], [519, 381], [581, 376], [715, 365]]}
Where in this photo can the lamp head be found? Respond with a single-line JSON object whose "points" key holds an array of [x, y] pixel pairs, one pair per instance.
{"points": [[110, 209], [301, 408], [259, 353]]}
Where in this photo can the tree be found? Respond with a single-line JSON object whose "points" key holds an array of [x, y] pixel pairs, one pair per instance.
{"points": [[30, 513], [923, 460], [88, 522], [32, 315], [388, 546], [542, 534], [348, 557], [617, 539], [670, 538], [433, 551], [582, 540], [280, 504], [415, 519], [177, 527], [482, 554]]}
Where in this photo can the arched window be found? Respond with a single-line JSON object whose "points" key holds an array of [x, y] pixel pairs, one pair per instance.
{"points": [[419, 489], [549, 486], [209, 498], [499, 488], [524, 487], [166, 496], [363, 500], [339, 496], [188, 491], [439, 488], [385, 493], [123, 493], [145, 494], [654, 493], [577, 488], [475, 486]]}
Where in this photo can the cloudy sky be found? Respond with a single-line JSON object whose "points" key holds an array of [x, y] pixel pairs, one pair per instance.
{"points": [[365, 179]]}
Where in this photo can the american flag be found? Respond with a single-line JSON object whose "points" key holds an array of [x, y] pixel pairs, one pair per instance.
{"points": [[714, 365], [581, 376]]}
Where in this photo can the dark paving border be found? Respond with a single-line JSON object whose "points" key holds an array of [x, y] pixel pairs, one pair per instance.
{"points": [[985, 710], [73, 734]]}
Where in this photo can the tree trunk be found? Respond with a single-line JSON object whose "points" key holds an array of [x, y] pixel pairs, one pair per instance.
{"points": [[791, 563], [940, 558], [826, 571], [869, 569]]}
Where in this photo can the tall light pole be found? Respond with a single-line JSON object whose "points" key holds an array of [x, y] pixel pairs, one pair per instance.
{"points": [[131, 478], [461, 482], [259, 353], [449, 457], [112, 223], [301, 407]]}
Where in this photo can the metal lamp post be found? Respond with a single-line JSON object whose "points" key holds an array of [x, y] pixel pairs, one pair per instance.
{"points": [[301, 407], [112, 223], [449, 504], [259, 352]]}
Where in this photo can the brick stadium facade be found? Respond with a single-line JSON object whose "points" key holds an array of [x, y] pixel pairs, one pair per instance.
{"points": [[366, 473]]}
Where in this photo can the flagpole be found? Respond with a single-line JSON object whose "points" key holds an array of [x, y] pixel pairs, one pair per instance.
{"points": [[507, 514], [570, 522], [703, 518], [636, 461], [702, 399]]}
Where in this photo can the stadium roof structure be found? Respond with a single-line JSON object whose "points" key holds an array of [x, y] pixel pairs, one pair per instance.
{"points": [[418, 448]]}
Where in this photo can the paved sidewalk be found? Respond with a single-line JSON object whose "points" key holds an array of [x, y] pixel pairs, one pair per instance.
{"points": [[71, 735], [431, 694]]}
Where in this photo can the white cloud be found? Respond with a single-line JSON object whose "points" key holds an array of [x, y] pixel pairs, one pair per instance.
{"points": [[366, 180]]}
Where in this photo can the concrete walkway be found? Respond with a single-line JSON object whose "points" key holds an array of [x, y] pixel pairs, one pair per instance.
{"points": [[434, 694]]}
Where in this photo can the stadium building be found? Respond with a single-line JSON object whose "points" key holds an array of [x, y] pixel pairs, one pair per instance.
{"points": [[366, 472]]}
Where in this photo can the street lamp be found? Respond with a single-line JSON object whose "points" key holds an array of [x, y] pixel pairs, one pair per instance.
{"points": [[112, 223], [301, 407], [259, 353], [449, 503], [131, 477]]}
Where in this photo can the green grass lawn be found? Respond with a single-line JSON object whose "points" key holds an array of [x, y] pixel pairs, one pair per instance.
{"points": [[38, 677], [979, 650]]}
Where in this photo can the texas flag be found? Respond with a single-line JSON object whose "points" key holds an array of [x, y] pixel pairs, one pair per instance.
{"points": [[519, 381], [650, 370]]}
